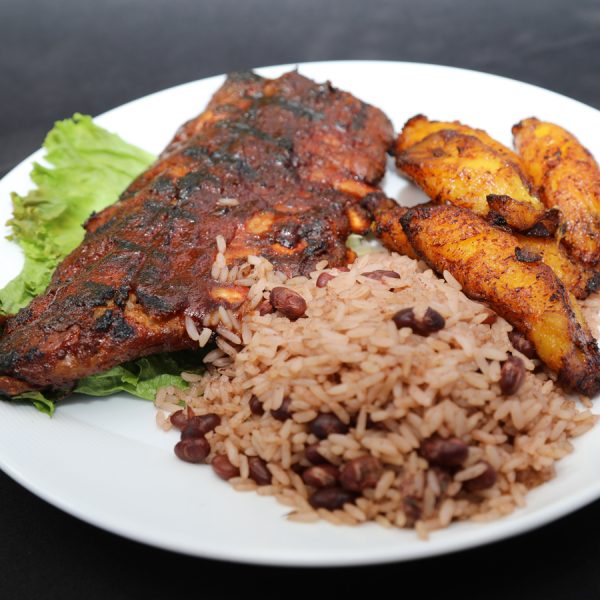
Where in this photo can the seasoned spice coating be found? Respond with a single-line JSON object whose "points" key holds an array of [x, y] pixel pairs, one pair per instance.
{"points": [[274, 166]]}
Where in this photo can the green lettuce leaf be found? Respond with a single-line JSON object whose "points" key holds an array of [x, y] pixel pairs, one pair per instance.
{"points": [[144, 376], [363, 244], [88, 168], [45, 404]]}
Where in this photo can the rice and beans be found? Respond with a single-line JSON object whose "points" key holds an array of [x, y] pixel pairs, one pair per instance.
{"points": [[374, 392]]}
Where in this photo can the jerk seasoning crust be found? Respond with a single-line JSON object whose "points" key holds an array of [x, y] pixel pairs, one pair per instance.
{"points": [[274, 166]]}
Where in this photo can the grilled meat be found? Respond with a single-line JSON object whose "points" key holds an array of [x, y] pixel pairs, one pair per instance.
{"points": [[274, 166]]}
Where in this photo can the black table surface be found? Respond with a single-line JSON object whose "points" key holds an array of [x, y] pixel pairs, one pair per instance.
{"points": [[64, 56]]}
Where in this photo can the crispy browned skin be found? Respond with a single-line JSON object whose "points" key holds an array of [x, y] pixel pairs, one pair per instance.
{"points": [[467, 168], [487, 263], [568, 177], [296, 156]]}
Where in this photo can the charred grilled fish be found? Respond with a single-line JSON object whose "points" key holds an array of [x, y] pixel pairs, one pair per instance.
{"points": [[274, 166]]}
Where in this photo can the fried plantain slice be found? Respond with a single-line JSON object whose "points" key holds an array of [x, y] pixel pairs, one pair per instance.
{"points": [[451, 166], [386, 215], [489, 265], [578, 279], [567, 177], [386, 223], [419, 127]]}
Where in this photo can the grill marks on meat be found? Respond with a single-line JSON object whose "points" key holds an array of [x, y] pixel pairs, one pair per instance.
{"points": [[295, 155]]}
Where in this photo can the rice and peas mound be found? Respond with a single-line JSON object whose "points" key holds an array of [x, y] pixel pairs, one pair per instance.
{"points": [[365, 410]]}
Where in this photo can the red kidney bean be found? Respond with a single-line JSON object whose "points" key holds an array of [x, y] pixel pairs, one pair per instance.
{"points": [[265, 308], [297, 468], [522, 344], [405, 318], [204, 423], [289, 303], [223, 467], [432, 321], [326, 424], [179, 420], [256, 407], [258, 470], [343, 269], [360, 473], [450, 452], [330, 498], [193, 450], [190, 432], [512, 375], [283, 412], [321, 476], [312, 455], [379, 274], [482, 482], [323, 279]]}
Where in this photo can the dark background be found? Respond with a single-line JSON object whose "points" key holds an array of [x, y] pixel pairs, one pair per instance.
{"points": [[62, 56]]}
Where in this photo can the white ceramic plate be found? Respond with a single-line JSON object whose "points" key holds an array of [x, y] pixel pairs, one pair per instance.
{"points": [[106, 462]]}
